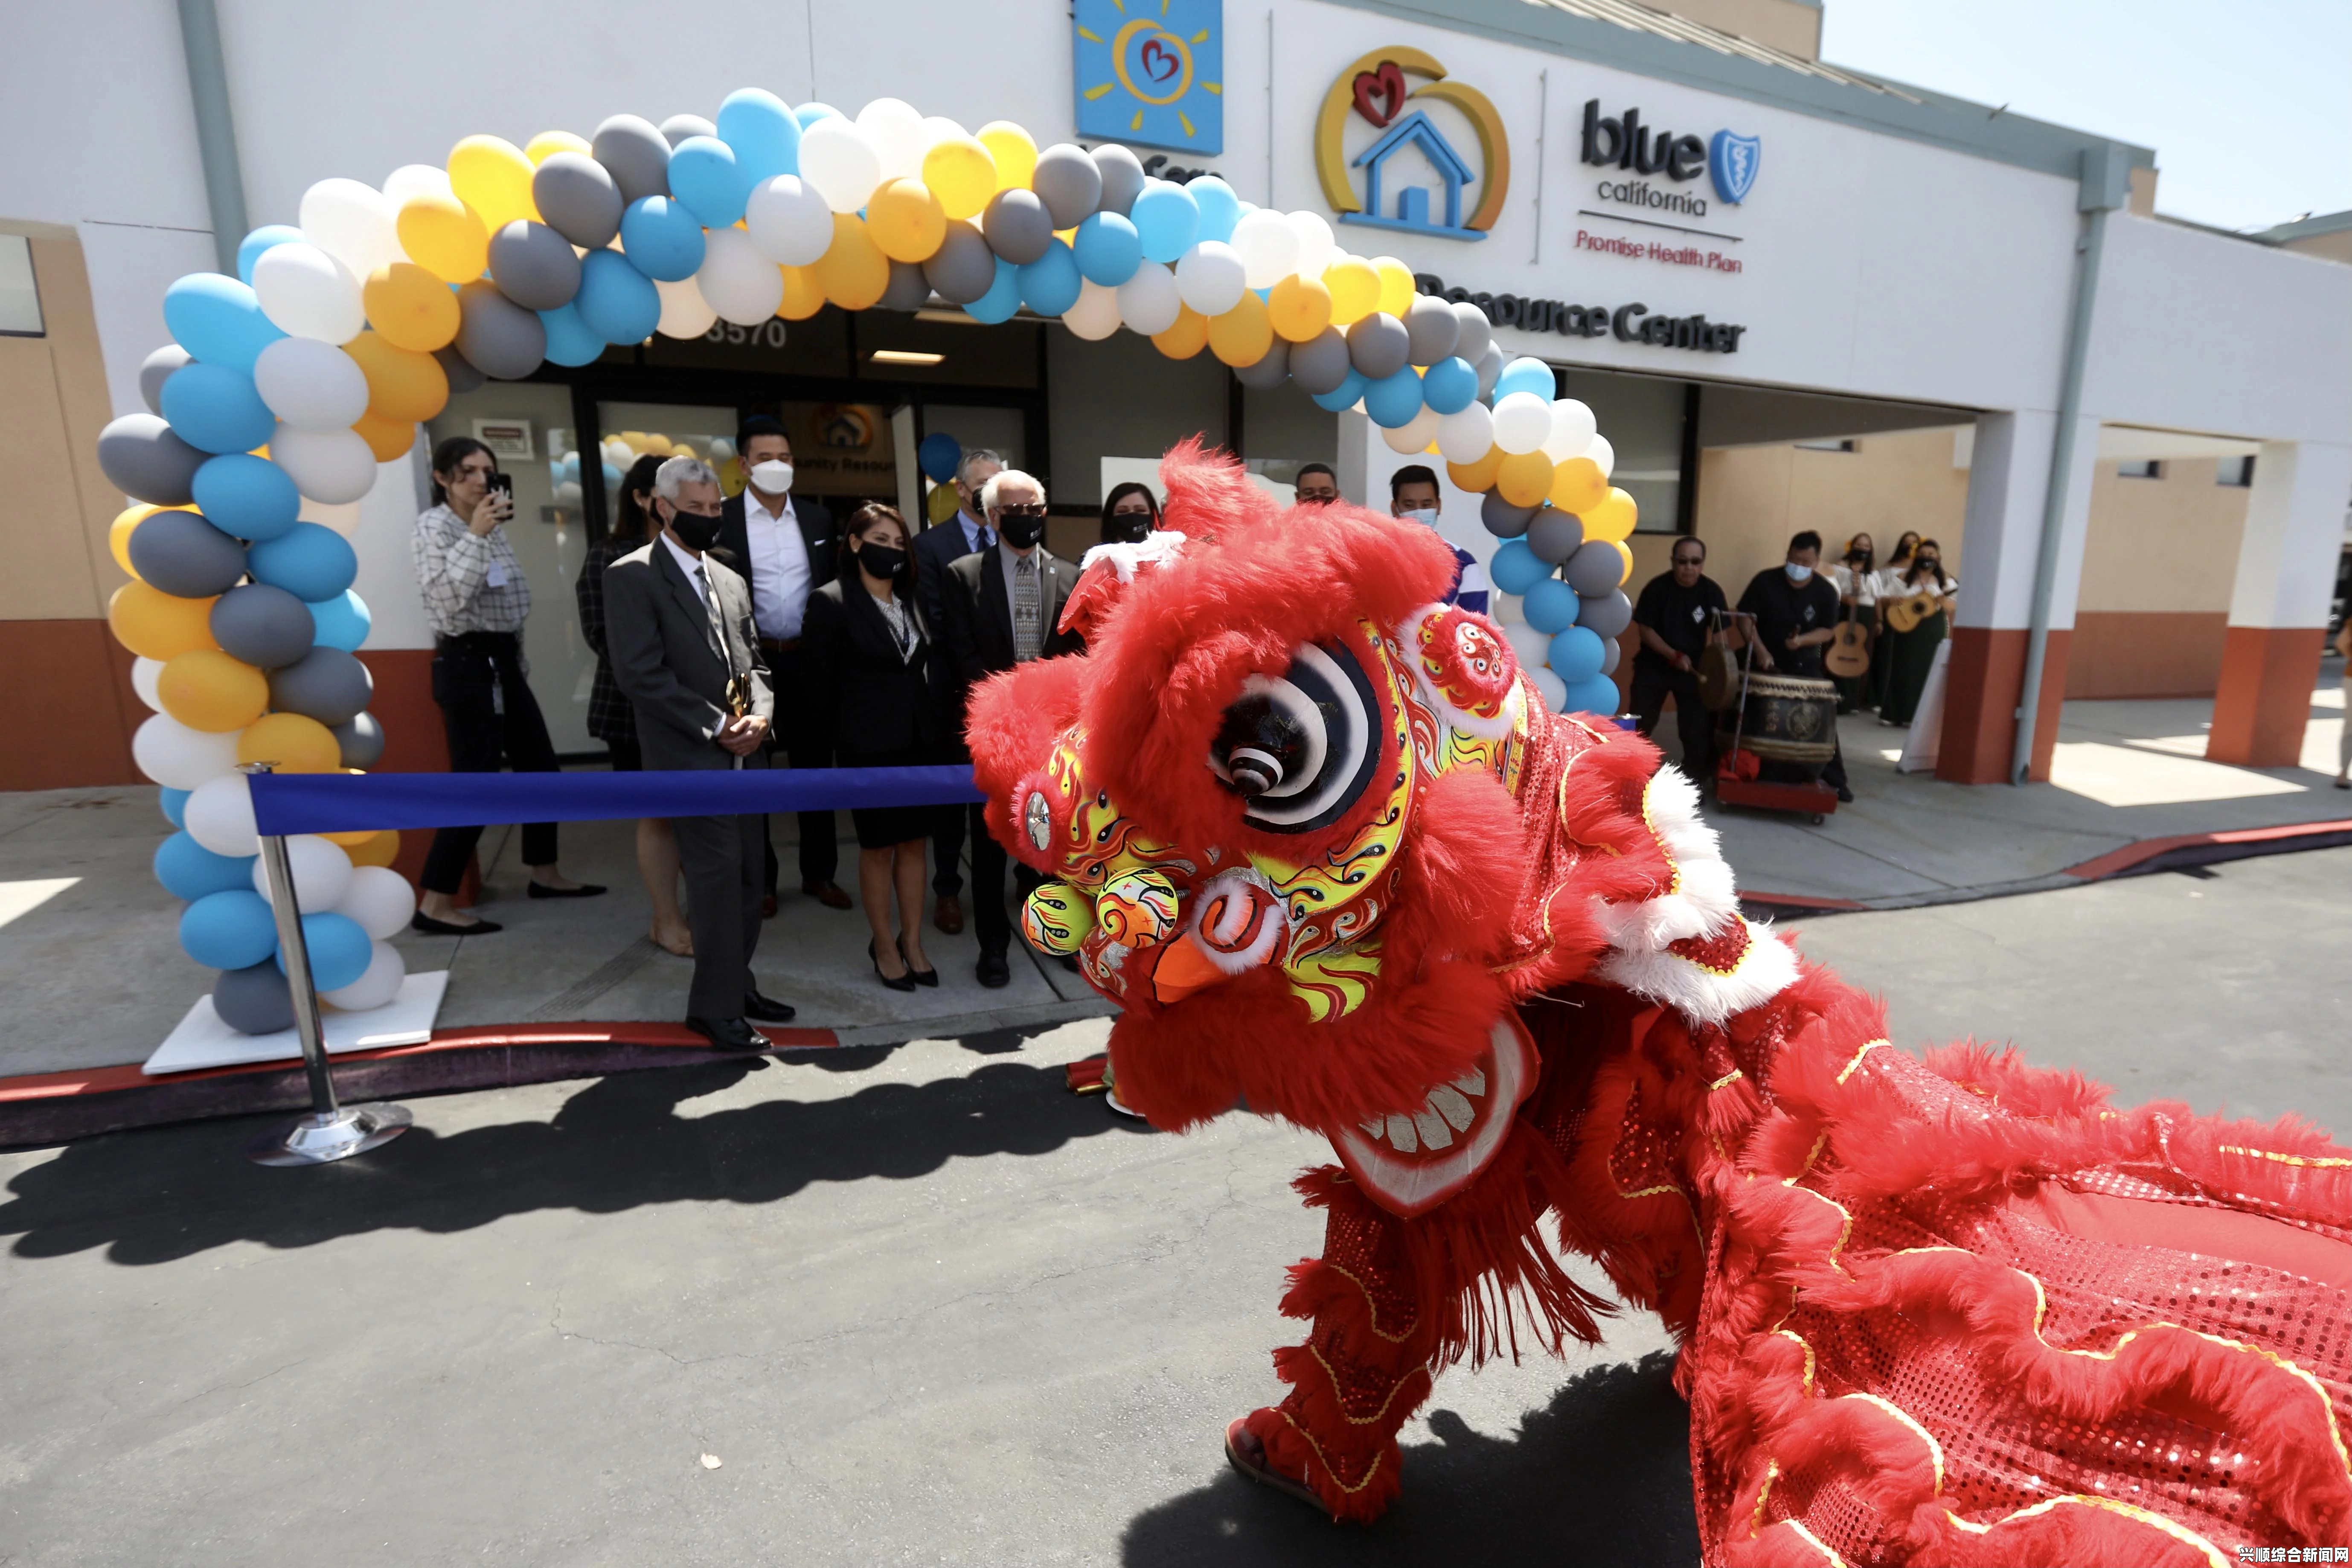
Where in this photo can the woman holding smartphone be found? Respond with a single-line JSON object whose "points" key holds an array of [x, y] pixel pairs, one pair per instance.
{"points": [[476, 598]]}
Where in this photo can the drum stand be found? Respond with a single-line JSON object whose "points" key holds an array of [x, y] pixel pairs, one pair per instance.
{"points": [[1815, 800]]}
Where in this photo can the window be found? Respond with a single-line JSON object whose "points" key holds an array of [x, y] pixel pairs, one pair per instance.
{"points": [[2139, 468], [1842, 446], [20, 295], [2236, 472]]}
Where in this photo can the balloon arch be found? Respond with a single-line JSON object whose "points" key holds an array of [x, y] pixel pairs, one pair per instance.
{"points": [[291, 381]]}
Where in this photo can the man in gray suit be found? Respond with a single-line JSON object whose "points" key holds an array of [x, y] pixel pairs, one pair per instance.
{"points": [[682, 644]]}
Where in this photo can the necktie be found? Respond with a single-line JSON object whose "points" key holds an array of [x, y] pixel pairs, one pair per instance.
{"points": [[1028, 611]]}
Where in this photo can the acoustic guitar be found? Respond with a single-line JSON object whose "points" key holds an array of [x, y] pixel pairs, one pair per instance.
{"points": [[1848, 655], [1905, 615]]}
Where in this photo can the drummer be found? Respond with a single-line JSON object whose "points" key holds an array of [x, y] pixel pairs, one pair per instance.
{"points": [[1796, 610]]}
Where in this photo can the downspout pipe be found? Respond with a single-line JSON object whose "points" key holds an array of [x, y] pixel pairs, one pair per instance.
{"points": [[215, 130], [2105, 179]]}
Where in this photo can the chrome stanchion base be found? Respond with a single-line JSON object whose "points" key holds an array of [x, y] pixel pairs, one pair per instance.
{"points": [[315, 1139]]}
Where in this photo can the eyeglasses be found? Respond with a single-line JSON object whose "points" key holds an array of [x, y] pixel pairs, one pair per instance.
{"points": [[1690, 559], [1034, 508]]}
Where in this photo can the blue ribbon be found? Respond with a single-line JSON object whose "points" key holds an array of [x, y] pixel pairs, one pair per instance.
{"points": [[348, 803]]}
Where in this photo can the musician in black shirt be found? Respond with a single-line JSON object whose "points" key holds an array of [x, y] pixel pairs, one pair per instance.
{"points": [[1796, 610], [1675, 619]]}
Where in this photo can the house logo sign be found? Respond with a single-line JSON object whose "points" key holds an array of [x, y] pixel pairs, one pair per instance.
{"points": [[1466, 199]]}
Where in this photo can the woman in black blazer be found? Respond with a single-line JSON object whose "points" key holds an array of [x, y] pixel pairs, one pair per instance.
{"points": [[868, 658]]}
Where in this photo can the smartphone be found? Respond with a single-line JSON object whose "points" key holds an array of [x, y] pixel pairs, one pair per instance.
{"points": [[504, 484]]}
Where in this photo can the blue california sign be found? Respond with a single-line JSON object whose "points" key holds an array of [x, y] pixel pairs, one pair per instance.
{"points": [[1731, 164]]}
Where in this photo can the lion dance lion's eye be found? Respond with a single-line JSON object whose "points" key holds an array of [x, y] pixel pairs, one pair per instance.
{"points": [[1300, 749]]}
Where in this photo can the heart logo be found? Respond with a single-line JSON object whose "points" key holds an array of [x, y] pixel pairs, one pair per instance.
{"points": [[1388, 85], [1159, 61]]}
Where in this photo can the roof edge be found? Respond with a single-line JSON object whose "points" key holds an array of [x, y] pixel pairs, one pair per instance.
{"points": [[2303, 227]]}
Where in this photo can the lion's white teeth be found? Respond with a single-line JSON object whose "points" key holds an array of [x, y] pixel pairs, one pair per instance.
{"points": [[1457, 1111], [1472, 1082], [1402, 1136], [1432, 1130]]}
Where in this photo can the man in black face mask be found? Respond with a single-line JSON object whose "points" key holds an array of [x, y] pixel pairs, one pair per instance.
{"points": [[1000, 607], [684, 647]]}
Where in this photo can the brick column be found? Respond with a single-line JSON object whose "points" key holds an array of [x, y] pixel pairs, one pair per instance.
{"points": [[2278, 609]]}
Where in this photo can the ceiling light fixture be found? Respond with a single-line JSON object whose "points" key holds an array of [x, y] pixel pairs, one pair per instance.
{"points": [[905, 356]]}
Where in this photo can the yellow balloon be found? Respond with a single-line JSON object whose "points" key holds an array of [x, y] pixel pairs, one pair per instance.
{"points": [[853, 271], [155, 625], [1013, 151], [204, 689], [1479, 477], [654, 444], [804, 295], [1188, 337], [1522, 478], [1612, 519], [1242, 336], [1577, 485], [387, 437], [347, 842], [546, 143], [296, 743], [1397, 287], [410, 308], [1300, 308], [444, 236], [1355, 288], [492, 176], [402, 385], [906, 220], [380, 847], [117, 533], [961, 172], [1625, 554]]}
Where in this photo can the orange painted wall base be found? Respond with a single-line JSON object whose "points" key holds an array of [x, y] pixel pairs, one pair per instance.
{"points": [[67, 706], [2264, 702], [2145, 653], [1982, 690]]}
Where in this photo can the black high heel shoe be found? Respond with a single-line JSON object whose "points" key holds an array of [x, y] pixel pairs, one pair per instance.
{"points": [[919, 976], [903, 983]]}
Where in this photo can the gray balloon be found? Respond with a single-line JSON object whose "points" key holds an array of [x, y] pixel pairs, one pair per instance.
{"points": [[580, 201], [326, 684], [1605, 613], [1503, 519], [1378, 345], [1432, 329], [1320, 364], [143, 460], [964, 268], [463, 376], [183, 554], [156, 369], [1490, 370], [534, 266], [1018, 226], [1123, 177], [908, 289], [1268, 373], [1477, 332], [1555, 535], [678, 127], [501, 337], [1595, 569], [633, 149], [263, 626], [254, 1001], [1611, 650], [1070, 183], [361, 739]]}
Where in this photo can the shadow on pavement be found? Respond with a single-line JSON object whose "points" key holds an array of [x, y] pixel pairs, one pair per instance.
{"points": [[1600, 1475], [155, 1195]]}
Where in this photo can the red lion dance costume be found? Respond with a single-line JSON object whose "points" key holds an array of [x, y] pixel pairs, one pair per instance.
{"points": [[1314, 833]]}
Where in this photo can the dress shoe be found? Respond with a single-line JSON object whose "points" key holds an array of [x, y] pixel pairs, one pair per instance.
{"points": [[767, 1009], [422, 921], [993, 971], [584, 890], [729, 1034], [949, 916], [767, 906], [829, 894], [896, 983], [919, 976], [1845, 795]]}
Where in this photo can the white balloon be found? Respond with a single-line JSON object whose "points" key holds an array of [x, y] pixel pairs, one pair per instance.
{"points": [[1317, 246], [351, 222], [144, 673], [842, 162], [743, 285], [1604, 455], [1415, 434], [1095, 315], [322, 873], [1522, 421], [895, 129], [178, 757], [568, 494], [1532, 646], [685, 313], [1572, 429], [1149, 302], [308, 293], [789, 221], [309, 384], [1464, 436], [219, 816], [330, 465], [1210, 277], [378, 985], [413, 180], [619, 453], [1554, 690], [1268, 248], [937, 127]]}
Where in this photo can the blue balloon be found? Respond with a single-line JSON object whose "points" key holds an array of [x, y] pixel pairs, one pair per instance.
{"points": [[339, 950], [1550, 604], [1167, 218], [1576, 654], [612, 481], [217, 319], [1526, 376], [1344, 395], [189, 870], [233, 929], [1002, 298], [174, 803], [938, 455], [1393, 401], [1107, 250], [662, 238], [259, 240], [570, 339], [1597, 695], [760, 129], [1221, 210], [343, 621], [1451, 385], [248, 497], [1515, 568], [808, 114], [216, 409], [1051, 284], [311, 561], [704, 175], [616, 301]]}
